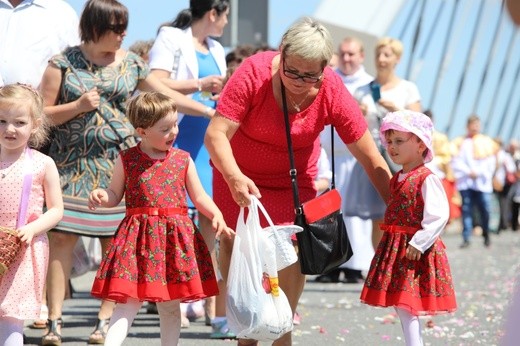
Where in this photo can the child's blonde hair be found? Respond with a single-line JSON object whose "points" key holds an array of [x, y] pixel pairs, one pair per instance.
{"points": [[147, 108], [21, 95]]}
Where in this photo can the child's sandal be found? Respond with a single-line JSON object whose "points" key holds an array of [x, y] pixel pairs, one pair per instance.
{"points": [[41, 322], [53, 337], [97, 337]]}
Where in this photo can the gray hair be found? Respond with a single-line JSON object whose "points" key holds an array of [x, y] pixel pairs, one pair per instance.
{"points": [[309, 40]]}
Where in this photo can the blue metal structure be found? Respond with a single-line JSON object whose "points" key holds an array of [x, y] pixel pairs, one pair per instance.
{"points": [[464, 55]]}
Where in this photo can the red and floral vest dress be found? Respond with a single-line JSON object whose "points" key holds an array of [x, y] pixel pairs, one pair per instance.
{"points": [[156, 254], [422, 287]]}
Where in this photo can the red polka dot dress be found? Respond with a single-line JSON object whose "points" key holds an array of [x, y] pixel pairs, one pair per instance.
{"points": [[260, 145]]}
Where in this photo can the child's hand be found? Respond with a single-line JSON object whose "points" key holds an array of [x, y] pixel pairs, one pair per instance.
{"points": [[412, 253], [219, 226], [25, 235], [97, 197]]}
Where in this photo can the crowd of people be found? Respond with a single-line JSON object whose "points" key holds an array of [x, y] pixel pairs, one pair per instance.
{"points": [[149, 150]]}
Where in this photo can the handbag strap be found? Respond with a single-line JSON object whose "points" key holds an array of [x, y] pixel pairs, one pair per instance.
{"points": [[86, 89], [293, 172], [26, 189]]}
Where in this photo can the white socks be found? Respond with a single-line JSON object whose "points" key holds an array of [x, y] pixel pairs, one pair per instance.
{"points": [[11, 331], [170, 322], [124, 314], [411, 327], [121, 321]]}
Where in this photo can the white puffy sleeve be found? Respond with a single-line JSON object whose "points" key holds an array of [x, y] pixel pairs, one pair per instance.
{"points": [[435, 216]]}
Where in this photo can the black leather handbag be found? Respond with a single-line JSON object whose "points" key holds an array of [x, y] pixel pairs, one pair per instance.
{"points": [[323, 244]]}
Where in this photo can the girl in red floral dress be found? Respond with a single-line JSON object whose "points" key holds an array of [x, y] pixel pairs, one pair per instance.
{"points": [[410, 269], [156, 254]]}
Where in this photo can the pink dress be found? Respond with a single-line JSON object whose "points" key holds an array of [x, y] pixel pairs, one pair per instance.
{"points": [[260, 145], [21, 287]]}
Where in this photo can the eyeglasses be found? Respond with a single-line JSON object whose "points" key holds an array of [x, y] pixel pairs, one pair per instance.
{"points": [[293, 75], [117, 28], [397, 142]]}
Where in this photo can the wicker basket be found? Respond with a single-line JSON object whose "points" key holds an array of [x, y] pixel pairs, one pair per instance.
{"points": [[10, 244]]}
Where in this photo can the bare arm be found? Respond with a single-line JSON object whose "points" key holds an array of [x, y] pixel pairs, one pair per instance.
{"points": [[366, 152], [50, 89], [212, 84], [416, 106], [110, 197], [219, 133], [204, 203], [391, 107], [184, 103], [53, 202]]}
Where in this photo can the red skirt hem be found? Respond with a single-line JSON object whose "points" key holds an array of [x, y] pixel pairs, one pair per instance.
{"points": [[428, 305], [120, 290]]}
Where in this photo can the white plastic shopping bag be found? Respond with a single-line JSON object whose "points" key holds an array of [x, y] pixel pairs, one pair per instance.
{"points": [[281, 238], [94, 252], [256, 306], [86, 257]]}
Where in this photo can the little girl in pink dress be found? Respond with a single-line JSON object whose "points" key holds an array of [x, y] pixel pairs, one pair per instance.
{"points": [[22, 283]]}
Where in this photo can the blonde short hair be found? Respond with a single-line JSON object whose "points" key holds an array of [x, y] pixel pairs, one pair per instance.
{"points": [[395, 45], [309, 40], [25, 97], [147, 108]]}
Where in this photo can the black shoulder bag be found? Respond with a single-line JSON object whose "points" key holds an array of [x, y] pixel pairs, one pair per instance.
{"points": [[323, 244]]}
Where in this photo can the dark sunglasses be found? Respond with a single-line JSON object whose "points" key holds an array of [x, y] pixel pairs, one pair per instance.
{"points": [[293, 75], [117, 28]]}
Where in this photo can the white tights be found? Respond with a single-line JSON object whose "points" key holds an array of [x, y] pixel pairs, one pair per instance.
{"points": [[411, 327], [124, 314], [11, 331]]}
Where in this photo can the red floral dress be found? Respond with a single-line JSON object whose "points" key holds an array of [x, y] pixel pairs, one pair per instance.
{"points": [[156, 254], [422, 287]]}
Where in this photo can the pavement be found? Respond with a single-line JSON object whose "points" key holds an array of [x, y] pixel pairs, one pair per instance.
{"points": [[333, 315]]}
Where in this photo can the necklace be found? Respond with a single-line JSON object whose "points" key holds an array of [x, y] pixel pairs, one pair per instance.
{"points": [[8, 170], [295, 105]]}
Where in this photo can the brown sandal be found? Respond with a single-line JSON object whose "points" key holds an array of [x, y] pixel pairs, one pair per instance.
{"points": [[53, 338], [97, 337]]}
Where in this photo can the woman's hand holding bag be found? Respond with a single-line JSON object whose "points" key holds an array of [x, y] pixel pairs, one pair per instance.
{"points": [[256, 306]]}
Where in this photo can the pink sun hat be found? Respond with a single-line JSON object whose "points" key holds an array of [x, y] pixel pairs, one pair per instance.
{"points": [[409, 121]]}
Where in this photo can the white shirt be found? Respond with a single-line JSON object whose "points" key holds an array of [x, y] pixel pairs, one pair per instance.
{"points": [[355, 80], [402, 95], [173, 51], [505, 164], [324, 171], [435, 215], [352, 82], [464, 163], [30, 34]]}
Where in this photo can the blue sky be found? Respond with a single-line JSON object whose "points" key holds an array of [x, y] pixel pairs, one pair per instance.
{"points": [[145, 18]]}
